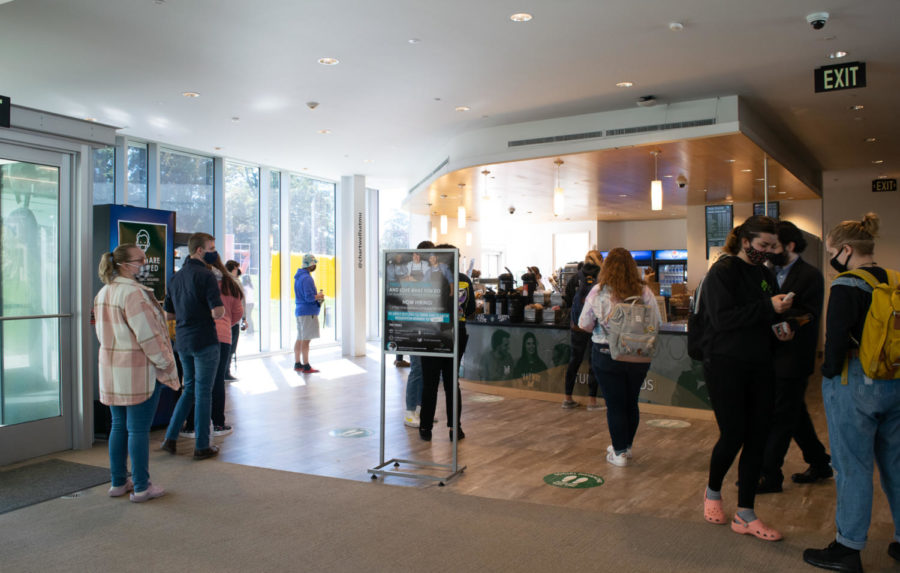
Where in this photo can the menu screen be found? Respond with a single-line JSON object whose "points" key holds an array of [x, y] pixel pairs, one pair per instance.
{"points": [[719, 220]]}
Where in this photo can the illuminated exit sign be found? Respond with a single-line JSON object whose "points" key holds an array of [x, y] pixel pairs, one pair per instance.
{"points": [[840, 77]]}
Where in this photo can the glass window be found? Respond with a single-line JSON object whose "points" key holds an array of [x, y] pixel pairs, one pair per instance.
{"points": [[241, 243], [275, 297], [186, 187], [312, 230], [137, 175], [104, 168]]}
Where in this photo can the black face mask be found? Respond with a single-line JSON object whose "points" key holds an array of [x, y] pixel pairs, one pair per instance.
{"points": [[777, 259], [756, 256], [211, 257], [839, 266]]}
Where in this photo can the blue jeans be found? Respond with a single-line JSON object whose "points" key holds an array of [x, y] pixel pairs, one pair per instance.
{"points": [[199, 373], [864, 427], [414, 383], [620, 384], [130, 436]]}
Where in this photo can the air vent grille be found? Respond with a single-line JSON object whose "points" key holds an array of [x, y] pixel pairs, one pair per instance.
{"points": [[555, 139], [659, 127], [433, 171]]}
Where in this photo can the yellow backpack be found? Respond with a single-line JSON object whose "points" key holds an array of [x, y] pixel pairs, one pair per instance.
{"points": [[879, 349]]}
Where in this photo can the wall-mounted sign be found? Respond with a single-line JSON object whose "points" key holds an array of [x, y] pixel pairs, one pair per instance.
{"points": [[760, 209], [840, 77], [671, 255], [719, 219], [150, 238], [881, 185], [5, 107]]}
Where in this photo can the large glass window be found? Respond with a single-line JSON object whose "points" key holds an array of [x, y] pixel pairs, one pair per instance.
{"points": [[312, 230], [186, 187], [104, 175], [241, 242], [137, 174], [275, 297]]}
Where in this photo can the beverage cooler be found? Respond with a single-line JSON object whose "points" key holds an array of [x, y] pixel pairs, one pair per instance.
{"points": [[644, 259], [670, 267]]}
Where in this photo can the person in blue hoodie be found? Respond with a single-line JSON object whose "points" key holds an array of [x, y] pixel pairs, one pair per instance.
{"points": [[308, 303]]}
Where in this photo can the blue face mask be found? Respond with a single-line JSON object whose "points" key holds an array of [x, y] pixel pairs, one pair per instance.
{"points": [[211, 257]]}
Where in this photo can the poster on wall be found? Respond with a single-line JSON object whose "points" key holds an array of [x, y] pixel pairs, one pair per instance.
{"points": [[418, 301], [150, 238]]}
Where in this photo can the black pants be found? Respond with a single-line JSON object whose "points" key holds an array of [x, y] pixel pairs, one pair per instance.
{"points": [[742, 396], [235, 335], [218, 391], [791, 420], [621, 384], [581, 346], [433, 369]]}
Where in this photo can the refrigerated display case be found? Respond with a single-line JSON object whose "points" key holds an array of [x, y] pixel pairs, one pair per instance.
{"points": [[671, 267]]}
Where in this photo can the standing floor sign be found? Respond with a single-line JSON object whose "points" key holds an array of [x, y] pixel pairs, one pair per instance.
{"points": [[420, 317]]}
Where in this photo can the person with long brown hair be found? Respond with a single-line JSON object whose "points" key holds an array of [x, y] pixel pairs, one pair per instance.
{"points": [[740, 306], [620, 382], [135, 361]]}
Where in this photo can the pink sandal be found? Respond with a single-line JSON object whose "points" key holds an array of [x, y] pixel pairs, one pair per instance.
{"points": [[712, 511], [756, 528]]}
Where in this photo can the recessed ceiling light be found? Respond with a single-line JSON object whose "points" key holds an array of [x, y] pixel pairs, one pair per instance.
{"points": [[790, 197], [414, 41], [521, 17], [837, 55], [623, 195], [772, 186], [437, 99], [625, 84], [324, 131], [759, 179], [782, 192], [857, 107], [329, 61], [882, 176], [746, 171], [878, 161], [90, 119], [443, 196], [368, 161], [871, 140], [463, 108], [676, 26], [529, 212], [190, 94], [729, 161], [235, 119], [668, 176]]}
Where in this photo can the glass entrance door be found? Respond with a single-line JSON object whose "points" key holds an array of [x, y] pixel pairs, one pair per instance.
{"points": [[36, 373]]}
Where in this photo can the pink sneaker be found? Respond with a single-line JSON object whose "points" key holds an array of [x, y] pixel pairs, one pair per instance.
{"points": [[119, 491], [152, 492]]}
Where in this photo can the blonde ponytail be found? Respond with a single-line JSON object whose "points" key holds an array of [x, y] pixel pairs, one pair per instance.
{"points": [[109, 262]]}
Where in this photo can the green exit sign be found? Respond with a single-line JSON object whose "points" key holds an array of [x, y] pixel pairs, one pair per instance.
{"points": [[5, 105], [882, 185], [840, 77]]}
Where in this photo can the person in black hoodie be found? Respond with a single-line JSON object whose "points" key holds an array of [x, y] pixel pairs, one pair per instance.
{"points": [[794, 363], [863, 413], [741, 307], [576, 291]]}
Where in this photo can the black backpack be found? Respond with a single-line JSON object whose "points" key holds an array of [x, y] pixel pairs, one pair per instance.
{"points": [[697, 326], [585, 284]]}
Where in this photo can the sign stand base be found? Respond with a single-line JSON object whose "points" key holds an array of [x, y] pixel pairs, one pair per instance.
{"points": [[379, 471]]}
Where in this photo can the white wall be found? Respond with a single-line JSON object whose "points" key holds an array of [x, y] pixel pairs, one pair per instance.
{"points": [[643, 235]]}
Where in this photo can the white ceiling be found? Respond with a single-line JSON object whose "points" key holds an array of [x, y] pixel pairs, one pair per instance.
{"points": [[126, 63]]}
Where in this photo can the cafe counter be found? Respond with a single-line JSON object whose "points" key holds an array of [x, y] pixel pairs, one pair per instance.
{"points": [[530, 360]]}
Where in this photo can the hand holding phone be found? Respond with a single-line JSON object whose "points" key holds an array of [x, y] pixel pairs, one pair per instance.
{"points": [[788, 296]]}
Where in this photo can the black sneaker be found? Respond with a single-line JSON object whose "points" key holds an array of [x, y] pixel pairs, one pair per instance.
{"points": [[769, 485], [813, 474], [425, 434], [894, 550], [298, 366], [836, 557], [460, 434]]}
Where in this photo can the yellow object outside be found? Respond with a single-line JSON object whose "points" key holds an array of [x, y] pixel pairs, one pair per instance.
{"points": [[324, 275]]}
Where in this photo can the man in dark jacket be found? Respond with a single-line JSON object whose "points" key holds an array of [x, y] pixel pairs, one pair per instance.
{"points": [[576, 291], [794, 363]]}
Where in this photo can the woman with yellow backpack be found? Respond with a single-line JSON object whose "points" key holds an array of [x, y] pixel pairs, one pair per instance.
{"points": [[862, 400]]}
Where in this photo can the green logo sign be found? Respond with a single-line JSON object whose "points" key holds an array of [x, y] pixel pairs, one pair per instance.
{"points": [[350, 433], [485, 398], [573, 480], [669, 423]]}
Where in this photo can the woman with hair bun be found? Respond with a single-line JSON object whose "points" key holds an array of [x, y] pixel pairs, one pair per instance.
{"points": [[136, 359], [863, 414], [740, 307]]}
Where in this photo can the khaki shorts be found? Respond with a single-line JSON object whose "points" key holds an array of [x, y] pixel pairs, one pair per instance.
{"points": [[307, 327]]}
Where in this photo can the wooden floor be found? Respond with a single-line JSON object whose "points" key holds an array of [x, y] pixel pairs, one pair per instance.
{"points": [[285, 421]]}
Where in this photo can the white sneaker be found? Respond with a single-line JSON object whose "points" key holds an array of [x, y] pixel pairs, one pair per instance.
{"points": [[620, 460], [411, 419], [183, 434], [628, 454]]}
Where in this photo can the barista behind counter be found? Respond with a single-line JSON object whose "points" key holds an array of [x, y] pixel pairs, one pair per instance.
{"points": [[534, 357]]}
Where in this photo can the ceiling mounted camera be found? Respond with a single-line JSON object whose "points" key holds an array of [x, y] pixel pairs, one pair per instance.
{"points": [[512, 210], [817, 20], [646, 101], [682, 181]]}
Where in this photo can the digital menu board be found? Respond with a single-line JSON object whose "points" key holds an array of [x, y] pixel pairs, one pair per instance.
{"points": [[760, 209], [719, 221]]}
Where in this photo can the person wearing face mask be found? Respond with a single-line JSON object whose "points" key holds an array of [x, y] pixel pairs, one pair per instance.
{"points": [[794, 363], [307, 307], [863, 413], [741, 306], [135, 360], [194, 301]]}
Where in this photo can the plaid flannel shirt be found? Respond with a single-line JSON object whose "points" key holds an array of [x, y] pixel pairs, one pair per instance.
{"points": [[135, 350]]}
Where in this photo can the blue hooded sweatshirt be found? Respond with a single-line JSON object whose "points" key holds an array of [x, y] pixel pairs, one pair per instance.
{"points": [[305, 294]]}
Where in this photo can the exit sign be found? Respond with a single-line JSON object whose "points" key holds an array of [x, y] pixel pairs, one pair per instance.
{"points": [[5, 105], [840, 77], [880, 185]]}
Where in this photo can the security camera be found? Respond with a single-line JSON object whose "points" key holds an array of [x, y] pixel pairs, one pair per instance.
{"points": [[817, 20], [512, 210], [312, 104], [682, 181]]}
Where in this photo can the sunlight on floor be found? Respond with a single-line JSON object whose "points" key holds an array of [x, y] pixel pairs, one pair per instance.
{"points": [[335, 369]]}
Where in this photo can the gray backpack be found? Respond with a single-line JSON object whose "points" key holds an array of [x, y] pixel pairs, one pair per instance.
{"points": [[633, 328]]}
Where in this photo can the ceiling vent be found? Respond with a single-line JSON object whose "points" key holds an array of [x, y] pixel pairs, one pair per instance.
{"points": [[555, 139], [433, 171], [659, 127]]}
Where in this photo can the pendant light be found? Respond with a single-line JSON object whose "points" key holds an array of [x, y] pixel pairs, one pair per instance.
{"points": [[434, 234], [656, 193], [559, 197], [461, 210], [443, 224], [485, 196]]}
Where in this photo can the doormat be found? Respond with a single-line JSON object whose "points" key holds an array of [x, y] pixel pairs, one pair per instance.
{"points": [[28, 485]]}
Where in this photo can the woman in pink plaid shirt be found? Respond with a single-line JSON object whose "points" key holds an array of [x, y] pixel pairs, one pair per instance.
{"points": [[135, 360]]}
